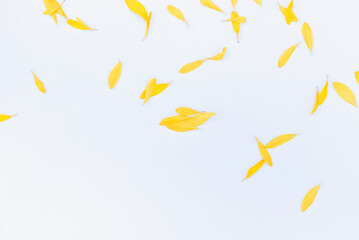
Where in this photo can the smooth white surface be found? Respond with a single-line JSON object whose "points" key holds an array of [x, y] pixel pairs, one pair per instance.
{"points": [[86, 162]]}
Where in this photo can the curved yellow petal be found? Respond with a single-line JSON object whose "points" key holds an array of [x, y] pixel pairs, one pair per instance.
{"points": [[219, 56], [286, 55], [357, 76], [176, 13], [236, 25], [138, 8], [158, 89], [199, 118], [309, 198], [288, 13], [280, 140], [180, 126], [115, 75], [264, 153], [210, 4], [150, 88], [4, 117], [191, 66], [148, 24], [345, 93], [254, 169], [39, 84], [186, 111], [316, 102], [323, 94], [258, 1], [307, 35], [234, 3], [174, 119]]}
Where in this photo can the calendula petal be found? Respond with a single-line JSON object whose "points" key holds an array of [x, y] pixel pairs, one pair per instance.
{"points": [[191, 66], [158, 89], [234, 3], [53, 8], [258, 1], [264, 153], [148, 24], [282, 9], [316, 102], [280, 140], [345, 93], [150, 88], [219, 56], [4, 117], [307, 35], [176, 13], [254, 169], [79, 24], [137, 7], [236, 19], [174, 119], [286, 55], [236, 25], [323, 94], [199, 118], [115, 75], [83, 24], [288, 13], [180, 126], [39, 84], [210, 4], [309, 198], [357, 76], [186, 111]]}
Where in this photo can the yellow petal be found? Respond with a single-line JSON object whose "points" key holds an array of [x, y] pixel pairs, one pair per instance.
{"points": [[191, 66], [39, 84], [79, 24], [282, 9], [345, 92], [148, 24], [307, 35], [137, 7], [236, 25], [323, 94], [49, 4], [53, 8], [357, 76], [210, 4], [254, 169], [288, 13], [174, 119], [150, 88], [259, 2], [180, 126], [115, 75], [280, 140], [234, 3], [176, 13], [264, 153], [199, 118], [219, 56], [4, 117], [236, 19], [158, 89], [286, 55], [316, 102], [186, 111], [309, 198]]}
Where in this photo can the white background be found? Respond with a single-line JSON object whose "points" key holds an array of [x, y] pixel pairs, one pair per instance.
{"points": [[86, 162]]}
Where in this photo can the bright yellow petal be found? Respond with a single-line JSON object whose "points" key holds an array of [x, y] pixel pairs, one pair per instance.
{"points": [[323, 94], [150, 88], [115, 75], [176, 13], [316, 102], [180, 126], [158, 89], [200, 118], [307, 35], [345, 93], [174, 119], [210, 4], [219, 56], [286, 55], [264, 153], [288, 14], [236, 25], [280, 140], [191, 66], [83, 24], [236, 19], [259, 2], [53, 8], [76, 24], [4, 117], [186, 111], [357, 76], [39, 84], [148, 24], [234, 3], [282, 9], [309, 198], [137, 7], [254, 169]]}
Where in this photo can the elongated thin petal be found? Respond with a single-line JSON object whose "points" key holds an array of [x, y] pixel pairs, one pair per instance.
{"points": [[286, 55], [158, 89], [176, 13], [357, 76], [345, 93], [218, 56], [79, 24], [186, 111], [309, 198], [148, 24], [53, 8], [115, 75], [4, 117], [264, 153], [191, 66], [236, 25], [258, 1], [280, 140], [282, 9], [307, 35], [288, 13], [180, 126], [323, 94], [200, 118], [174, 119], [210, 4], [236, 19], [316, 102], [39, 84], [234, 3], [254, 169], [150, 88], [137, 7]]}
